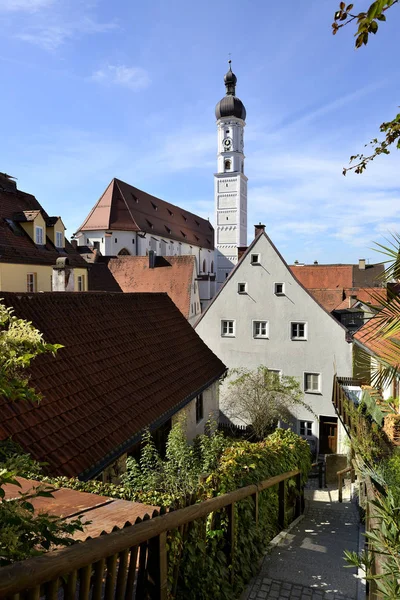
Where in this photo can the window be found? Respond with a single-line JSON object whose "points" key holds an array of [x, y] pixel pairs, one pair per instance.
{"points": [[59, 239], [39, 236], [298, 331], [31, 282], [227, 165], [115, 240], [312, 383], [96, 246], [199, 408], [212, 266], [280, 289], [260, 329], [242, 288], [204, 266], [255, 259], [81, 283], [228, 328], [306, 428], [276, 372]]}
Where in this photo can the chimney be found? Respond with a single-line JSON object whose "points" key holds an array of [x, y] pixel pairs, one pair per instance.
{"points": [[352, 300], [63, 276], [74, 244], [152, 259], [241, 251], [258, 229], [361, 264], [7, 183]]}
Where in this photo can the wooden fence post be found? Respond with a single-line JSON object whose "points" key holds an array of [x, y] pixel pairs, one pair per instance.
{"points": [[298, 506], [255, 498], [281, 504], [157, 567], [230, 509]]}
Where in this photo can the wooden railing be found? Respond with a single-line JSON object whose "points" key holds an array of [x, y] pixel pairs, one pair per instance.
{"points": [[373, 524], [130, 563], [340, 399]]}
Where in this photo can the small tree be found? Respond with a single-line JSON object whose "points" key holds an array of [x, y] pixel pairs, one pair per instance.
{"points": [[23, 533], [261, 398]]}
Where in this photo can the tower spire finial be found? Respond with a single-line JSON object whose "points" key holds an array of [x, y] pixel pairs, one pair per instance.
{"points": [[230, 80]]}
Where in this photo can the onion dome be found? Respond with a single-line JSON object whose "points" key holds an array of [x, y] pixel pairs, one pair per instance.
{"points": [[230, 105]]}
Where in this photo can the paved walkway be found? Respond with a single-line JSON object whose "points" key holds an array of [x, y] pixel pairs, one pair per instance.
{"points": [[308, 563]]}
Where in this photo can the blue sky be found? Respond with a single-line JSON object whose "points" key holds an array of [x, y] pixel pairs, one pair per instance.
{"points": [[93, 89]]}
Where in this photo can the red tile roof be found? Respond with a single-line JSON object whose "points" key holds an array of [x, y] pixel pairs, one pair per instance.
{"points": [[102, 514], [337, 276], [387, 349], [171, 274], [123, 207], [129, 361], [15, 244], [371, 296], [329, 299]]}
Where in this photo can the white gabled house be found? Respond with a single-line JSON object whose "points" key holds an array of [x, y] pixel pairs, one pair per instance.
{"points": [[263, 316]]}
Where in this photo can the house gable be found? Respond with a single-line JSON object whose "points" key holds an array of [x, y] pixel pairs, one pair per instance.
{"points": [[264, 316]]}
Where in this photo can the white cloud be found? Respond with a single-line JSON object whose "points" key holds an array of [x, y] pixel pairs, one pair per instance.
{"points": [[134, 78], [50, 36], [24, 5]]}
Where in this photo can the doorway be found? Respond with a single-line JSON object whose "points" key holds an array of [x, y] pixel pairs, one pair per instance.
{"points": [[328, 435]]}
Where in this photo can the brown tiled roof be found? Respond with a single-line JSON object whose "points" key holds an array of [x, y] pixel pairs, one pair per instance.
{"points": [[102, 514], [15, 244], [129, 361], [123, 207], [387, 349], [372, 296], [171, 274], [329, 299], [337, 276]]}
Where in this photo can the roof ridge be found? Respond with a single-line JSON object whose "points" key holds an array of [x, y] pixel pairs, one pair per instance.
{"points": [[126, 203], [95, 206]]}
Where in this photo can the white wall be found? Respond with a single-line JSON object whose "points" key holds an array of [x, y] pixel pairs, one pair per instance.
{"points": [[325, 351], [210, 405]]}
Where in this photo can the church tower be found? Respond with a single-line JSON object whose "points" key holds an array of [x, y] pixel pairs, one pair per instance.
{"points": [[230, 181]]}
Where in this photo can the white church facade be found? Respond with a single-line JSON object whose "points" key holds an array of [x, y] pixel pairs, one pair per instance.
{"points": [[127, 221]]}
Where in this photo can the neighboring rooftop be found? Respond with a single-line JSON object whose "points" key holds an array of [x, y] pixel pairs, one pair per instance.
{"points": [[123, 207], [102, 514], [388, 349], [129, 361], [171, 274], [331, 277], [15, 244]]}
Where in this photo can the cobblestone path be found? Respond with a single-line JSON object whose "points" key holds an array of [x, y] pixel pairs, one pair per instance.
{"points": [[308, 563]]}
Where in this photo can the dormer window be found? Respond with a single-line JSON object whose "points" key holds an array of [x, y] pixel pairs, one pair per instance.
{"points": [[39, 236], [59, 239]]}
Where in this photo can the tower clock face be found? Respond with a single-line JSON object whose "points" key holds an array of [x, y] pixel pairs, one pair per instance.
{"points": [[227, 143]]}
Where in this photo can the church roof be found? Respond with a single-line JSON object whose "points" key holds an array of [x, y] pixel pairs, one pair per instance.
{"points": [[129, 361], [123, 207], [171, 274]]}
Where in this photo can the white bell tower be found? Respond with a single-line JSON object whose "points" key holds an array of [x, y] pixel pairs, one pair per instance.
{"points": [[230, 181]]}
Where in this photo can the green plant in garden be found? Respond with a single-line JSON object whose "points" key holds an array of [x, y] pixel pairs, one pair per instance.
{"points": [[262, 398], [23, 533], [198, 567], [367, 23]]}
